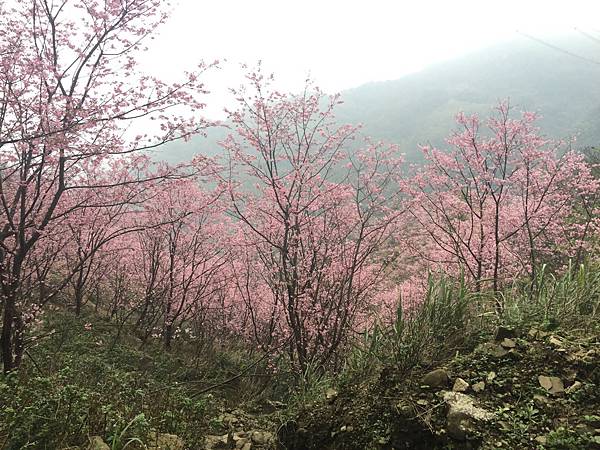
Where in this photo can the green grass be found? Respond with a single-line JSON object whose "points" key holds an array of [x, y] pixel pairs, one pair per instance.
{"points": [[76, 383]]}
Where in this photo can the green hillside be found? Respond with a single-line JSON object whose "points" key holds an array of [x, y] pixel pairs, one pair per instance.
{"points": [[419, 108]]}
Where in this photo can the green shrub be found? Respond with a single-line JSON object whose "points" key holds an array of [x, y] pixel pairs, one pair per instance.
{"points": [[75, 384]]}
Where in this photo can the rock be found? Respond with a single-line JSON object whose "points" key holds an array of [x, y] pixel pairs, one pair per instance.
{"points": [[503, 332], [273, 405], [261, 437], [240, 443], [505, 426], [508, 343], [574, 387], [247, 446], [331, 394], [554, 385], [463, 415], [556, 342], [493, 350], [540, 400], [163, 441], [96, 443], [216, 442], [545, 382], [404, 409], [479, 387], [239, 435], [542, 440], [583, 429], [460, 385], [533, 333], [228, 419], [491, 376], [436, 378]]}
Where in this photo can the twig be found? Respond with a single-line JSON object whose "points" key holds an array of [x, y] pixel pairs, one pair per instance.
{"points": [[242, 373], [229, 380], [34, 362]]}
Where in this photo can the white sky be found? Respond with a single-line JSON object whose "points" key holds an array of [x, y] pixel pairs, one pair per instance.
{"points": [[344, 43]]}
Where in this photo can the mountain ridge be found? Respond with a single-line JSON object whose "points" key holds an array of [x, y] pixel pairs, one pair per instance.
{"points": [[420, 107]]}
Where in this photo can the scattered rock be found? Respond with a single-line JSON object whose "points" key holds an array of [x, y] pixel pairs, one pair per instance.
{"points": [[460, 385], [554, 385], [503, 332], [463, 415], [404, 409], [228, 419], [556, 342], [261, 437], [163, 441], [479, 387], [96, 443], [493, 350], [331, 394], [574, 387], [241, 443], [542, 334], [540, 400], [239, 435], [533, 333], [436, 378], [542, 440], [508, 343], [216, 442]]}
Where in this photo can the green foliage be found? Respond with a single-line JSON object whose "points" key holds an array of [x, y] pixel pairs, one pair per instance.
{"points": [[567, 439], [122, 438], [78, 384], [454, 316], [568, 299], [422, 333], [310, 385]]}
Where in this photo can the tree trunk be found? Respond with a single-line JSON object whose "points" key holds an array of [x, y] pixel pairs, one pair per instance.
{"points": [[168, 337], [6, 341]]}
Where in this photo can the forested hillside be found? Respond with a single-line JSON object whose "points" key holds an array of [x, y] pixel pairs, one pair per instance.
{"points": [[419, 108]]}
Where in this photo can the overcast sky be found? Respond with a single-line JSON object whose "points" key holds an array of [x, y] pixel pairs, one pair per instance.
{"points": [[345, 43]]}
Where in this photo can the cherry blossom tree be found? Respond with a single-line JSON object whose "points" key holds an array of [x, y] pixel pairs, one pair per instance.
{"points": [[70, 92], [498, 201], [182, 259], [315, 219]]}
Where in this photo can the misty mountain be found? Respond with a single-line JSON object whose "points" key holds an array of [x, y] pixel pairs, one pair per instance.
{"points": [[420, 108]]}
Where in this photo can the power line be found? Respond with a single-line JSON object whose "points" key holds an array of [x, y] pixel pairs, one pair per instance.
{"points": [[559, 49], [588, 35]]}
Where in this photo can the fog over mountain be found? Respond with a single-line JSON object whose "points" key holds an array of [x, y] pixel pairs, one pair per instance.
{"points": [[561, 83]]}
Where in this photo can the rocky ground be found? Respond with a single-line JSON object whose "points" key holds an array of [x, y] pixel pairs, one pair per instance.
{"points": [[526, 389]]}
